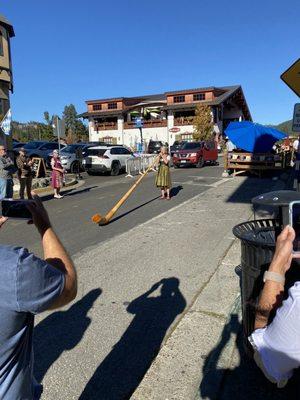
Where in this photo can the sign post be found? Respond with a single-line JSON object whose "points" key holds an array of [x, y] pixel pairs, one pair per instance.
{"points": [[296, 118], [139, 124], [59, 129]]}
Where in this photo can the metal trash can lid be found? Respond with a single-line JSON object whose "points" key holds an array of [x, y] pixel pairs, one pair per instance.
{"points": [[259, 232], [277, 198]]}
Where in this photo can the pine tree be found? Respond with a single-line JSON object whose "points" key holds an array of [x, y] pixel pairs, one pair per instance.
{"points": [[203, 123]]}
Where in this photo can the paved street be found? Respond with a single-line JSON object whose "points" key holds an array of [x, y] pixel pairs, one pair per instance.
{"points": [[136, 276], [71, 216]]}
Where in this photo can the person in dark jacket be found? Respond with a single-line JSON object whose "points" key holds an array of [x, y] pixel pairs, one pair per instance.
{"points": [[7, 168], [24, 165]]}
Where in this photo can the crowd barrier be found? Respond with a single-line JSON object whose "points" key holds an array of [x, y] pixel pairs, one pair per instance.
{"points": [[138, 165]]}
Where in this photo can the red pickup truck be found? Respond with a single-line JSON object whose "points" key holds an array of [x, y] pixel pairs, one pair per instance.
{"points": [[196, 153]]}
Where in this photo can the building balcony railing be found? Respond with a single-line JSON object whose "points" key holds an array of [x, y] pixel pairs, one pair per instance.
{"points": [[184, 121], [152, 123], [105, 126]]}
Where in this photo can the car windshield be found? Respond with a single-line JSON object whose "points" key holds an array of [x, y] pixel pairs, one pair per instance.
{"points": [[155, 144], [32, 145], [70, 149], [190, 146], [96, 152]]}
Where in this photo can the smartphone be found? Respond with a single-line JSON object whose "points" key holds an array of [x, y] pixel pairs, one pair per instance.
{"points": [[294, 216], [16, 209]]}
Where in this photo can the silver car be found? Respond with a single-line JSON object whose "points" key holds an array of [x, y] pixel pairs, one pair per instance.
{"points": [[68, 157]]}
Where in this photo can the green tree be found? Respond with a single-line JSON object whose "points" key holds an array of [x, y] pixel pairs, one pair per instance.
{"points": [[70, 117], [203, 123], [47, 118]]}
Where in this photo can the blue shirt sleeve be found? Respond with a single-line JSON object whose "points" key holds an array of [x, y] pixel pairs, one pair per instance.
{"points": [[38, 283]]}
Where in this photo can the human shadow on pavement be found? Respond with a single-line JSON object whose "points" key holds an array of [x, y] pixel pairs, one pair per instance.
{"points": [[61, 331], [244, 382], [122, 370]]}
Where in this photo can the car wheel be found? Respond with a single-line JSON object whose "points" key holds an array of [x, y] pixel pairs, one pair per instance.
{"points": [[200, 163], [90, 173], [74, 167], [115, 169]]}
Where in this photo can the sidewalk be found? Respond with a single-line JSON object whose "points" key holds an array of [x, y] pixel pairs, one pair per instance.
{"points": [[111, 341], [204, 356]]}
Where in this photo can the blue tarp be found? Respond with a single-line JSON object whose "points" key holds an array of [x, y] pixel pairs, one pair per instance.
{"points": [[252, 137]]}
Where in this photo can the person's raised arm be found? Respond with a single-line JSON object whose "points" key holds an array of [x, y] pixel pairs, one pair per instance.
{"points": [[54, 252], [272, 293]]}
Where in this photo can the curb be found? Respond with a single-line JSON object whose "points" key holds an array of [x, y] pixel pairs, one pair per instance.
{"points": [[46, 191]]}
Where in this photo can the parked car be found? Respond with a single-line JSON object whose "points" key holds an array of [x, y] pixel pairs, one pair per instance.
{"points": [[196, 153], [154, 146], [176, 146], [41, 149], [68, 156], [106, 159], [17, 146]]}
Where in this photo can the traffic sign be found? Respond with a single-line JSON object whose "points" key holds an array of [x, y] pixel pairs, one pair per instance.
{"points": [[138, 122], [296, 118], [292, 77], [59, 127]]}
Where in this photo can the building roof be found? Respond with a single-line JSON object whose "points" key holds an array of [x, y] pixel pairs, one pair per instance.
{"points": [[4, 22], [223, 94]]}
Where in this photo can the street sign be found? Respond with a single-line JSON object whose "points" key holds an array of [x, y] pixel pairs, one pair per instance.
{"points": [[138, 122], [59, 128], [174, 130], [292, 77], [296, 118]]}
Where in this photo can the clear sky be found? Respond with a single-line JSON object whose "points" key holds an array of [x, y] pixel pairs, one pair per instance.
{"points": [[69, 51]]}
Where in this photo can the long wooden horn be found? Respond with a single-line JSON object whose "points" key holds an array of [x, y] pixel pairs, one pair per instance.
{"points": [[104, 220]]}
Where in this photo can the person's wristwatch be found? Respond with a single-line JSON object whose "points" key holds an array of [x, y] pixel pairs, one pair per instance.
{"points": [[274, 276]]}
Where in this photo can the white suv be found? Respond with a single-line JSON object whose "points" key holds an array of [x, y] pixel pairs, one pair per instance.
{"points": [[106, 159]]}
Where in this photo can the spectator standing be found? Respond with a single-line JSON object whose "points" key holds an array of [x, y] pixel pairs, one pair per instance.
{"points": [[24, 165], [7, 168], [57, 175], [28, 286]]}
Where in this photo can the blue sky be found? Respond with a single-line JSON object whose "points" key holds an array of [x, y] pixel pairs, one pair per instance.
{"points": [[68, 51]]}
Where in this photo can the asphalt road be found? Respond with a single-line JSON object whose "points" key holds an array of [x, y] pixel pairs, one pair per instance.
{"points": [[71, 216]]}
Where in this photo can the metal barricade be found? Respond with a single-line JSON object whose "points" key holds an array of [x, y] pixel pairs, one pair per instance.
{"points": [[138, 165], [133, 166]]}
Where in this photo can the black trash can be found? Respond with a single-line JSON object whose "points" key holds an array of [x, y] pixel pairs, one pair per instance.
{"points": [[257, 249]]}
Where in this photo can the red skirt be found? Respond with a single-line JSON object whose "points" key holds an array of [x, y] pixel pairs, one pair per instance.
{"points": [[56, 179]]}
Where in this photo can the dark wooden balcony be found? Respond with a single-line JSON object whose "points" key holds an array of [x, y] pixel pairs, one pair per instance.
{"points": [[105, 126], [183, 121], [151, 123]]}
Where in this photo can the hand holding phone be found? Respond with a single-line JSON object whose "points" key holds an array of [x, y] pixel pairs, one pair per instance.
{"points": [[16, 209], [294, 217]]}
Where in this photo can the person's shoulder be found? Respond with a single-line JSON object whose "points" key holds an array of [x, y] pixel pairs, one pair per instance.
{"points": [[10, 254]]}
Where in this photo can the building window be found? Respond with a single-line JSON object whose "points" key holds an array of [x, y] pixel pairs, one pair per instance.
{"points": [[199, 96], [97, 107], [1, 45], [179, 99], [112, 106]]}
